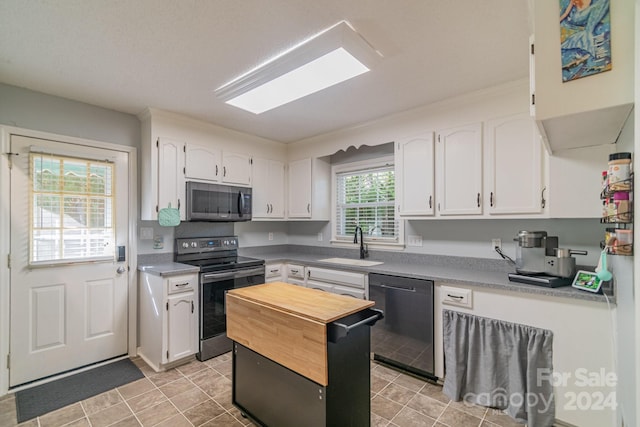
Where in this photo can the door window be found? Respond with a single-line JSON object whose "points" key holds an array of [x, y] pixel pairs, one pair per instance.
{"points": [[72, 217]]}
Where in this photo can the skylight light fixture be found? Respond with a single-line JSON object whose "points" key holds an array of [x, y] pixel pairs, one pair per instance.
{"points": [[335, 55]]}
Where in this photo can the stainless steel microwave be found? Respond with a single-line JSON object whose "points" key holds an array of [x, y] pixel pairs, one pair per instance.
{"points": [[217, 202]]}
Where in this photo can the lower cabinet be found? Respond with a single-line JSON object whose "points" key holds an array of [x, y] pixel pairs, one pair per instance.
{"points": [[338, 282], [273, 272], [583, 367], [168, 319]]}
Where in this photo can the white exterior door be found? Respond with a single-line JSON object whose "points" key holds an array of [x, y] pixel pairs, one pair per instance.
{"points": [[69, 215]]}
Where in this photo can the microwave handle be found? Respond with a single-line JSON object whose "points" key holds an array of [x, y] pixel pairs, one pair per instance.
{"points": [[240, 204]]}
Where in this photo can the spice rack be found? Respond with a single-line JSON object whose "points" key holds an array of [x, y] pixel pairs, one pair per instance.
{"points": [[617, 210]]}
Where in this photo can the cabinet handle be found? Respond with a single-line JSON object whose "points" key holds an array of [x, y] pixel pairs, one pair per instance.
{"points": [[455, 296], [309, 207], [216, 170], [491, 199], [270, 208], [192, 307], [543, 201], [180, 285], [224, 171], [478, 200], [430, 200]]}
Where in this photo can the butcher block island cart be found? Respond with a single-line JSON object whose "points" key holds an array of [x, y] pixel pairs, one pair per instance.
{"points": [[301, 357]]}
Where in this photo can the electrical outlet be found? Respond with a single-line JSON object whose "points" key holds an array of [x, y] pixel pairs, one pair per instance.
{"points": [[270, 236], [414, 240], [496, 243], [146, 233]]}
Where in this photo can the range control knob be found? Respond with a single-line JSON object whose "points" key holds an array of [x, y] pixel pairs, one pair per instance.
{"points": [[185, 245], [194, 244]]}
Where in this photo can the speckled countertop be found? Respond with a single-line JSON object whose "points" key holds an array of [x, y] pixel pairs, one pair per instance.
{"points": [[441, 269], [168, 269]]}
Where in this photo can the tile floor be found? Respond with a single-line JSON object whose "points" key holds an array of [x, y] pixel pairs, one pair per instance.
{"points": [[199, 394]]}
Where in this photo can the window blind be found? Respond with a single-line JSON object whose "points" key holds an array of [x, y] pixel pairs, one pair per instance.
{"points": [[71, 209], [366, 198]]}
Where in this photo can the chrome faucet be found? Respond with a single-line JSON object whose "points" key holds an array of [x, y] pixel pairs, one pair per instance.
{"points": [[364, 252]]}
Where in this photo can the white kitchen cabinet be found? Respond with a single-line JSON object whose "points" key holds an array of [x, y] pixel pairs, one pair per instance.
{"points": [[309, 189], [202, 163], [513, 166], [170, 180], [168, 319], [414, 174], [338, 282], [459, 170], [236, 168], [295, 274], [580, 350], [273, 272], [586, 111], [575, 181], [268, 189]]}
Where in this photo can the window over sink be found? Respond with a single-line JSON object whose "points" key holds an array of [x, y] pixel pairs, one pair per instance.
{"points": [[364, 195]]}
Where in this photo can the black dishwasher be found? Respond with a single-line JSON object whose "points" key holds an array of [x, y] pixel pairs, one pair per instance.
{"points": [[404, 338]]}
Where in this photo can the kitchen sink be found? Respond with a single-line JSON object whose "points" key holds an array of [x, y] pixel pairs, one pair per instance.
{"points": [[349, 261]]}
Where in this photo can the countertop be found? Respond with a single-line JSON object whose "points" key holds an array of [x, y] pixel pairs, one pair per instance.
{"points": [[443, 270], [168, 269], [321, 307]]}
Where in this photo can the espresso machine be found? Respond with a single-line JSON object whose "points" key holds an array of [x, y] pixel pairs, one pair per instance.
{"points": [[539, 260]]}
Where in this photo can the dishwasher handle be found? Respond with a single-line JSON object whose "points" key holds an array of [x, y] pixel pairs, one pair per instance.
{"points": [[395, 288], [338, 330]]}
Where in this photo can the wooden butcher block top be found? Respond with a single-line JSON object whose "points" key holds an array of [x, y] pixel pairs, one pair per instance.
{"points": [[288, 323], [316, 305]]}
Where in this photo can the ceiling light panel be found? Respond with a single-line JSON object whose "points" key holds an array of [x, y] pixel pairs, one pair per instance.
{"points": [[333, 56]]}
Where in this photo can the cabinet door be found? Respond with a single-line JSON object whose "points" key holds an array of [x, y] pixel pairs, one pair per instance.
{"points": [[414, 175], [459, 177], [300, 189], [260, 194], [268, 188], [236, 168], [513, 165], [182, 326], [276, 189], [202, 163], [171, 186]]}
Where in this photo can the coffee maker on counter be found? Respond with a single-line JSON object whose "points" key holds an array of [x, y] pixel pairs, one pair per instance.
{"points": [[539, 260]]}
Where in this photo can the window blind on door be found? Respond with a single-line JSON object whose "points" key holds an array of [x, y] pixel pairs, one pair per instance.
{"points": [[366, 198], [71, 209]]}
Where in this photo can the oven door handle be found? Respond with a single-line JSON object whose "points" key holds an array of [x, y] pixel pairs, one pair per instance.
{"points": [[232, 274]]}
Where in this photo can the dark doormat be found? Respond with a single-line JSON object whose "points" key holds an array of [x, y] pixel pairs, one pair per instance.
{"points": [[39, 400]]}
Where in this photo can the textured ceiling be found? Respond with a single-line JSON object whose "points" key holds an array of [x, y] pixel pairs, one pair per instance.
{"points": [[128, 55]]}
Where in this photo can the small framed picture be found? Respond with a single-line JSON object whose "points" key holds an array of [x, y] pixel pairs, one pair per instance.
{"points": [[587, 281]]}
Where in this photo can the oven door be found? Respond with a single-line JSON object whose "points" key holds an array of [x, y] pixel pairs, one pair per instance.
{"points": [[213, 322]]}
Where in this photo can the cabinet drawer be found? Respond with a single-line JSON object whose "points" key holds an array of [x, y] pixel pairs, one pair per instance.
{"points": [[273, 270], [295, 270], [181, 284]]}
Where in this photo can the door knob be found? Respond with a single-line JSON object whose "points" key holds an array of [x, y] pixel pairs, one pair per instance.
{"points": [[120, 270]]}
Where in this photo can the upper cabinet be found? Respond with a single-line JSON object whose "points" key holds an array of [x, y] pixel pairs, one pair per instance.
{"points": [[513, 166], [481, 170], [163, 184], [415, 172], [204, 163], [459, 170], [236, 168], [268, 189], [586, 111], [309, 189]]}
